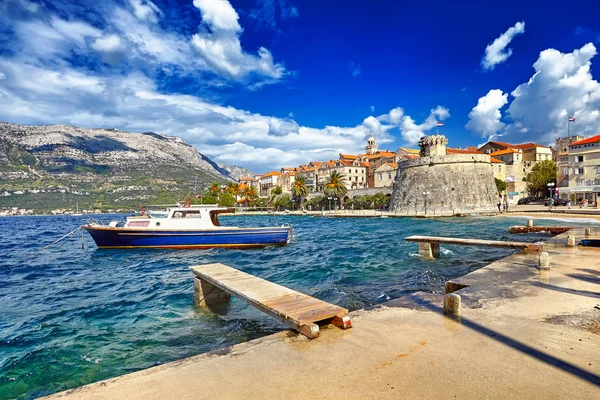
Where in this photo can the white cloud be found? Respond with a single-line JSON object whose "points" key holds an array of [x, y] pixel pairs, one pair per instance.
{"points": [[485, 116], [218, 14], [412, 132], [496, 52], [561, 86], [219, 45], [145, 10]]}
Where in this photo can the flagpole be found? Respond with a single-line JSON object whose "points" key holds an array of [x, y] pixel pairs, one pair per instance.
{"points": [[569, 127]]}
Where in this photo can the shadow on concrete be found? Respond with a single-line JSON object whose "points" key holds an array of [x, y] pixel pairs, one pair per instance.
{"points": [[585, 277], [589, 271], [515, 344], [578, 292]]}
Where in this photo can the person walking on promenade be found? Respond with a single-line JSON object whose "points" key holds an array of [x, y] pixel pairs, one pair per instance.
{"points": [[499, 204], [569, 204]]}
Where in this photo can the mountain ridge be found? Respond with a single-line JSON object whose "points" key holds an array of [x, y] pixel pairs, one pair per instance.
{"points": [[110, 166]]}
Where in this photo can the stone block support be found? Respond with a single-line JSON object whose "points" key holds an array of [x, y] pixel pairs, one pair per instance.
{"points": [[429, 250], [529, 222], [452, 304], [571, 241], [544, 260], [588, 232], [207, 294]]}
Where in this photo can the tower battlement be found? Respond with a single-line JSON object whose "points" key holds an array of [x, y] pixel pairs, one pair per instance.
{"points": [[434, 145]]}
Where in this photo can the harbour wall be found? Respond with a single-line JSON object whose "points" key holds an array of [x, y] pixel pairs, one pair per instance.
{"points": [[444, 185]]}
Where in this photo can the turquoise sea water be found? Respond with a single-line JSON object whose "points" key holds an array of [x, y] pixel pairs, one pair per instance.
{"points": [[72, 316]]}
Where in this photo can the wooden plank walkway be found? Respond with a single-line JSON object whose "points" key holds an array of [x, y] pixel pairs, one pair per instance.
{"points": [[214, 283], [429, 246], [554, 230]]}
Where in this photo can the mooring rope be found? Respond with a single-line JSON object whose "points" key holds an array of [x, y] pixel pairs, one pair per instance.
{"points": [[51, 244]]}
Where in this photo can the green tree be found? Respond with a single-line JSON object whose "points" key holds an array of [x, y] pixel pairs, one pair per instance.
{"points": [[226, 199], [380, 199], [210, 198], [500, 185], [542, 173], [283, 202], [299, 189], [277, 190]]}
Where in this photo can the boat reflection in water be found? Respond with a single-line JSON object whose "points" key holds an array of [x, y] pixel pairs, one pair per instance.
{"points": [[187, 227]]}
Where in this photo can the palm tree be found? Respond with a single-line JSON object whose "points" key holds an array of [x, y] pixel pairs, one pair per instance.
{"points": [[299, 189], [233, 188], [250, 194], [215, 188], [335, 185]]}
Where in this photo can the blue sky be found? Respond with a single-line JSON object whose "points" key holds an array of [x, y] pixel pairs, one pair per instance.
{"points": [[271, 83]]}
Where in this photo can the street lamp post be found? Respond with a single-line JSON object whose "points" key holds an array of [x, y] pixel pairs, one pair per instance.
{"points": [[550, 186], [425, 194], [293, 204], [329, 202]]}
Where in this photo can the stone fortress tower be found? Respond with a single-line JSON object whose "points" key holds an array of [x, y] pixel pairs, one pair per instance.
{"points": [[444, 184]]}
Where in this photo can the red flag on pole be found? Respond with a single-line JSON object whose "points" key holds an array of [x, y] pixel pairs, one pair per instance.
{"points": [[440, 124], [571, 119]]}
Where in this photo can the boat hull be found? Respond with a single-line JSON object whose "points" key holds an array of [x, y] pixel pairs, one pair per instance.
{"points": [[125, 238]]}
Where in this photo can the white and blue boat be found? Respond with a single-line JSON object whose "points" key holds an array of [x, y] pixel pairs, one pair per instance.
{"points": [[188, 227]]}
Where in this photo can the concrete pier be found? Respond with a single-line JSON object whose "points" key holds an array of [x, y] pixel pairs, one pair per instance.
{"points": [[523, 333]]}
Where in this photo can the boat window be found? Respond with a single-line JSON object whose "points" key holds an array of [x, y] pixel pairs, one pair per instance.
{"points": [[187, 214]]}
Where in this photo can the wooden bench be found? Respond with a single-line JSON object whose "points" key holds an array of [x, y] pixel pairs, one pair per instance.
{"points": [[215, 283], [429, 246]]}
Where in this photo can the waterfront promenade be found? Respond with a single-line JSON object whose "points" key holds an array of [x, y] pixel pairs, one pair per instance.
{"points": [[523, 333]]}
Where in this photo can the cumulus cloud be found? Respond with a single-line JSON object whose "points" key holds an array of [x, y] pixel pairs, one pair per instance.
{"points": [[219, 45], [485, 116], [496, 52], [412, 132], [561, 86]]}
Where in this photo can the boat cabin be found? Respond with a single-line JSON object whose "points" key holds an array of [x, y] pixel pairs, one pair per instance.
{"points": [[203, 216]]}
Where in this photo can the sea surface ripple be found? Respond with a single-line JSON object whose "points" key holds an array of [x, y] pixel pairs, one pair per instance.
{"points": [[71, 316]]}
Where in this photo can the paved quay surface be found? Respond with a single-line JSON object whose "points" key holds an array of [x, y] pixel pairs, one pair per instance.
{"points": [[523, 333]]}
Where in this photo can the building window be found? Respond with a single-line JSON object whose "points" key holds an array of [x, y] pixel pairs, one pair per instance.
{"points": [[590, 182], [581, 182], [389, 175], [580, 171], [380, 176], [565, 171], [598, 169], [579, 159]]}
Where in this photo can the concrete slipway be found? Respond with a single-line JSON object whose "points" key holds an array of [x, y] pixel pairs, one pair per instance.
{"points": [[524, 333]]}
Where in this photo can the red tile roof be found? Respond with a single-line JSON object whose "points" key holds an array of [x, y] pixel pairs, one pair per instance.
{"points": [[495, 160], [592, 139], [529, 145], [272, 173], [502, 152]]}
